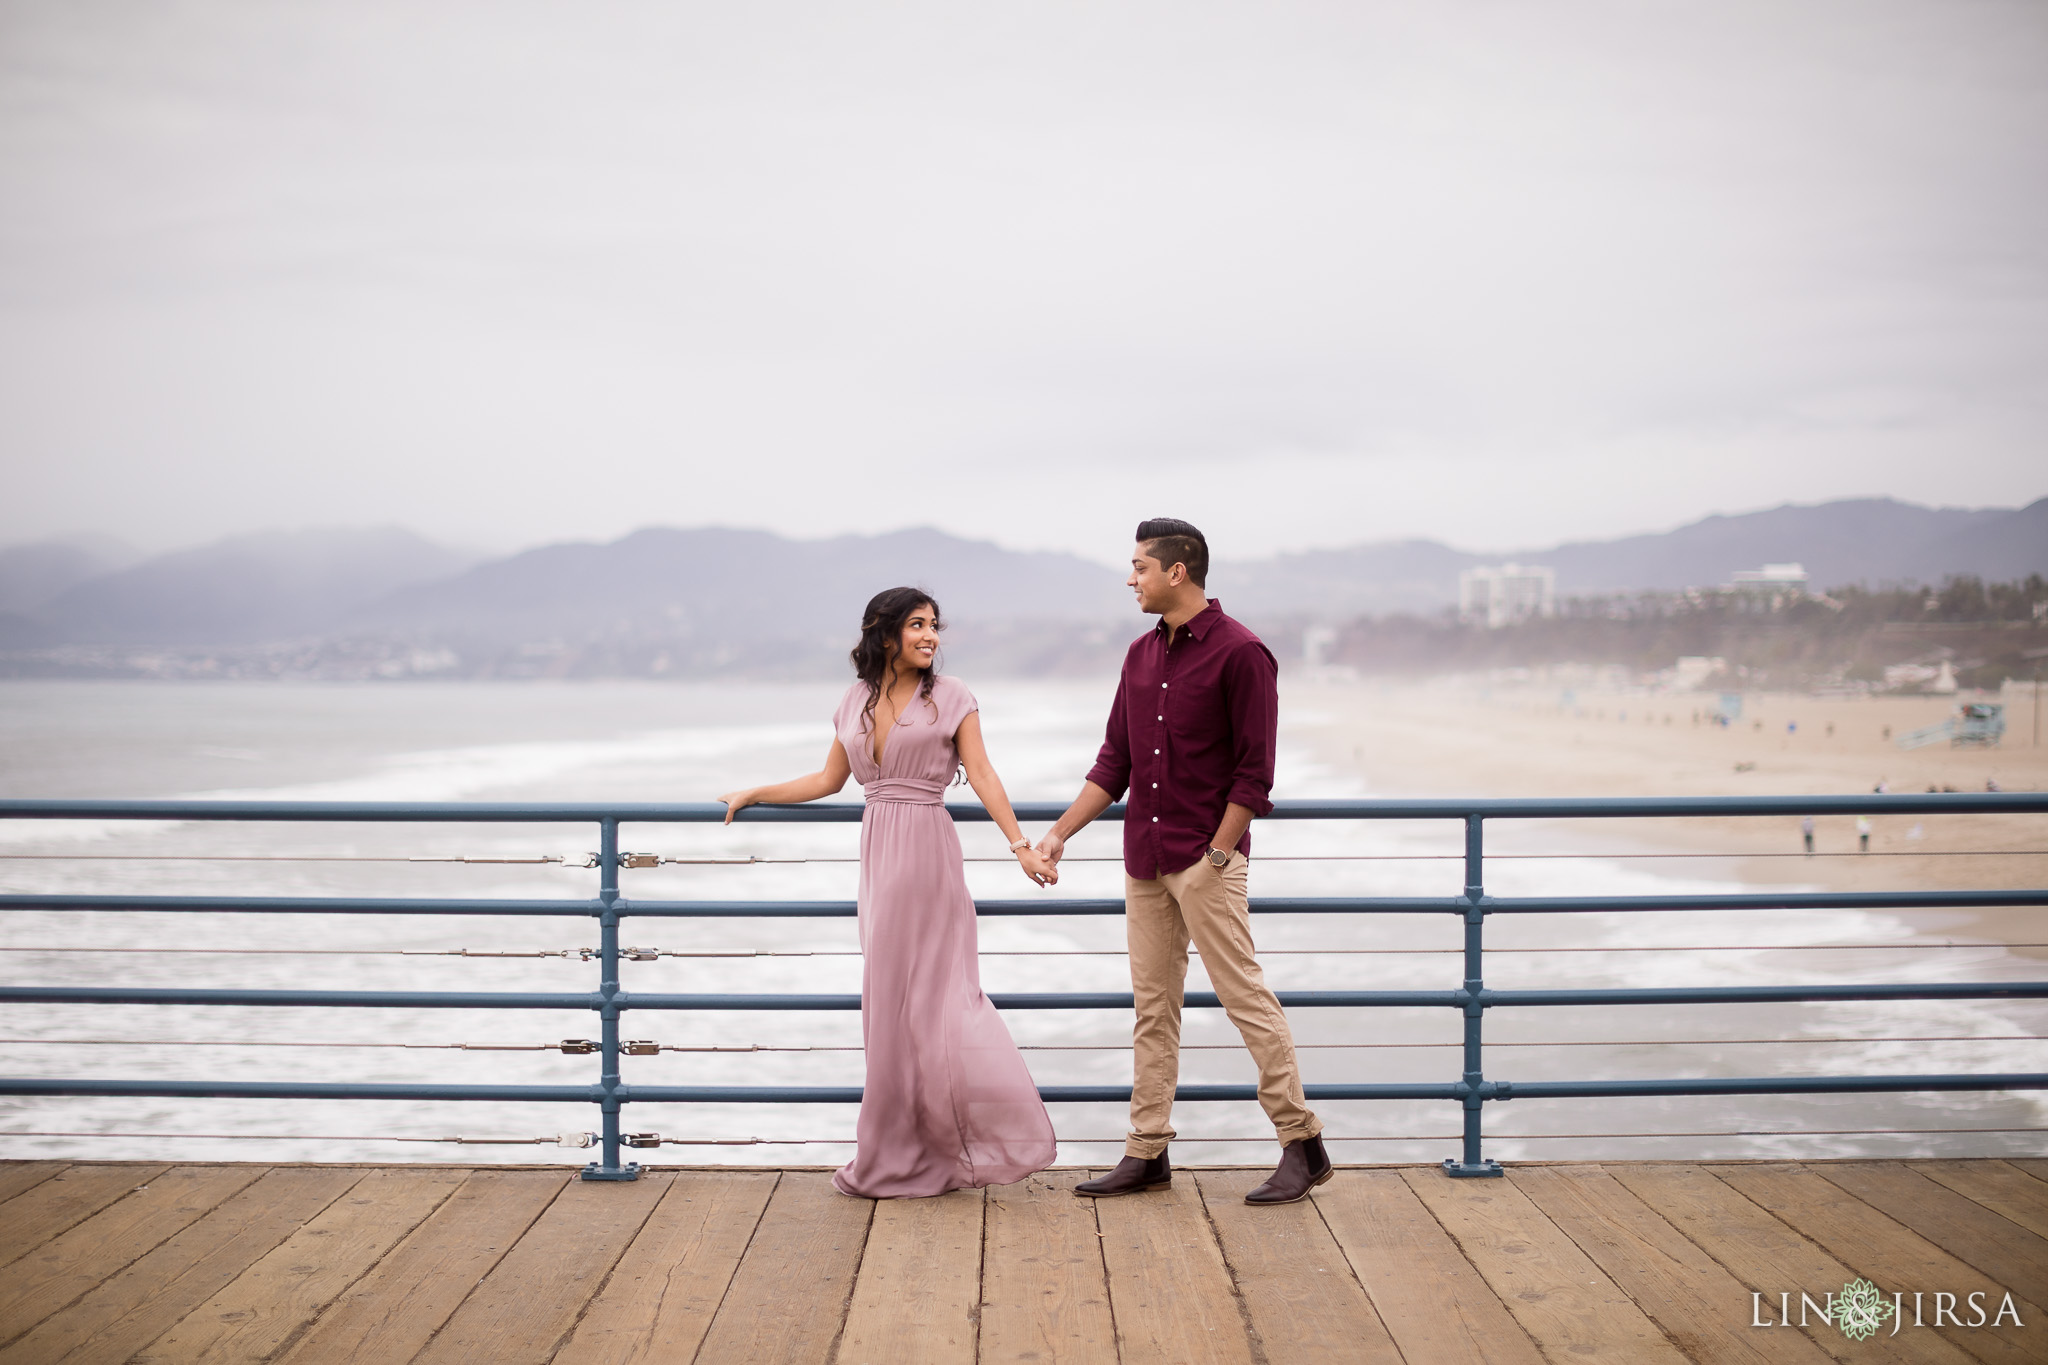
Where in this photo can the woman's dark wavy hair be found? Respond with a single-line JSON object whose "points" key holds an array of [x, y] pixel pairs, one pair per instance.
{"points": [[881, 628]]}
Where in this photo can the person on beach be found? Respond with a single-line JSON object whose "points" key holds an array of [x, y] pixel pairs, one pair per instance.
{"points": [[1191, 736], [949, 1103]]}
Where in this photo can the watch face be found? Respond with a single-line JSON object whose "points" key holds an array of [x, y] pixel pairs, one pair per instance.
{"points": [[1218, 857]]}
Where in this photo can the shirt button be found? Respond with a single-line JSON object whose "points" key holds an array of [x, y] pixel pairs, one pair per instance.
{"points": [[1162, 684], [1155, 819], [1155, 786], [1162, 718], [1155, 751]]}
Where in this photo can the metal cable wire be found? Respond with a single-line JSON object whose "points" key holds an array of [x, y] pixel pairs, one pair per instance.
{"points": [[1551, 1137], [324, 952], [586, 954], [567, 861], [267, 1137], [558, 1140], [1596, 1042], [533, 861], [1038, 1047]]}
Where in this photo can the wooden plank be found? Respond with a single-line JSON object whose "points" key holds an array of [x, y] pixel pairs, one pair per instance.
{"points": [[136, 1306], [919, 1284], [1560, 1297], [69, 1265], [1888, 1254], [62, 1202], [18, 1176], [788, 1297], [1956, 1223], [527, 1305], [1767, 1257], [2033, 1165], [1168, 1285], [659, 1302], [1434, 1304], [1297, 1288], [2000, 1186], [1044, 1291], [250, 1318], [1704, 1311], [392, 1312]]}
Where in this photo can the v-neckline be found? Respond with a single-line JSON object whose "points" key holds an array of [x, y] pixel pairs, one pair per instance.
{"points": [[878, 747]]}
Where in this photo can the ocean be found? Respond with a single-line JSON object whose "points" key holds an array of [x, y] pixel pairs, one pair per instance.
{"points": [[627, 741]]}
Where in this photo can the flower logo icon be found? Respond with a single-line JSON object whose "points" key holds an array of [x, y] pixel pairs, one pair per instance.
{"points": [[1859, 1310]]}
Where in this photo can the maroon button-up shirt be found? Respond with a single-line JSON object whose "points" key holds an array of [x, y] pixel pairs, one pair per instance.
{"points": [[1192, 730]]}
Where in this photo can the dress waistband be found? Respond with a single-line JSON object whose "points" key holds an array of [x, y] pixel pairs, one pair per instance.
{"points": [[906, 791]]}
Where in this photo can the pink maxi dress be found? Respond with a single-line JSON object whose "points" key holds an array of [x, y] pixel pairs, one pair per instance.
{"points": [[949, 1102]]}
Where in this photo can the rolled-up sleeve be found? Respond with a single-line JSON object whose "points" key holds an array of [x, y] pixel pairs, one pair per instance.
{"points": [[1252, 694], [1112, 770]]}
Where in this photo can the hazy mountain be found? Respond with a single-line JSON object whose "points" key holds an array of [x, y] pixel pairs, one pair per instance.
{"points": [[656, 601], [713, 597], [31, 575], [1870, 541], [665, 600], [2000, 550], [1867, 540], [747, 582], [267, 586]]}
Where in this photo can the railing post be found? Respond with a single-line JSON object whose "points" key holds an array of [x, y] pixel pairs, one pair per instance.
{"points": [[608, 1009], [1474, 1081]]}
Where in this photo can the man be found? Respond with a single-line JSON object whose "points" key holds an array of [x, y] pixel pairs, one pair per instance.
{"points": [[1191, 736]]}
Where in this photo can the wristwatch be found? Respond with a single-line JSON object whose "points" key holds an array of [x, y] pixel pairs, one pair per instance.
{"points": [[1218, 858]]}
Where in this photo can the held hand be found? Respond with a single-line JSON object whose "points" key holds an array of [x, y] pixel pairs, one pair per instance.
{"points": [[1051, 847], [735, 802], [1037, 866]]}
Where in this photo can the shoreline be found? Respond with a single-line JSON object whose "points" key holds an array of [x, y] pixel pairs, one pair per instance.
{"points": [[1464, 738]]}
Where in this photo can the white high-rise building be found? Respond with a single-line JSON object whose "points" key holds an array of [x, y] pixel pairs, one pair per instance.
{"points": [[1500, 594], [1772, 588], [1771, 578]]}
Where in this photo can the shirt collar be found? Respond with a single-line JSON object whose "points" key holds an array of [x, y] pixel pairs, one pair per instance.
{"points": [[1199, 624]]}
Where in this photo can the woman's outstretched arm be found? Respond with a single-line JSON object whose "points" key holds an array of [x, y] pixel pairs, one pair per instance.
{"points": [[826, 782], [981, 775]]}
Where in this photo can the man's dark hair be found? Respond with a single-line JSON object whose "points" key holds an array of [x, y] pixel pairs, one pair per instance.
{"points": [[1172, 541]]}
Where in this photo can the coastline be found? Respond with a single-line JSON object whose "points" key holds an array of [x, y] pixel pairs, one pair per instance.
{"points": [[1467, 738]]}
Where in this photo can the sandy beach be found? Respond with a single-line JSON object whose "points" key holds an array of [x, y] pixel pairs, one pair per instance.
{"points": [[1460, 738]]}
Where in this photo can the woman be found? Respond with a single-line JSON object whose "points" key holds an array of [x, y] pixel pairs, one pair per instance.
{"points": [[949, 1102]]}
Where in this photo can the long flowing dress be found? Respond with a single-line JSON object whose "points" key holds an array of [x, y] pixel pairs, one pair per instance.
{"points": [[949, 1102]]}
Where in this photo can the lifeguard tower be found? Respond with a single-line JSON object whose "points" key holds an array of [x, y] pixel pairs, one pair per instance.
{"points": [[1978, 724]]}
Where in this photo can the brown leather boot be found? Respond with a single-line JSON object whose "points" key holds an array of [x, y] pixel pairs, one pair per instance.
{"points": [[1303, 1166], [1133, 1175]]}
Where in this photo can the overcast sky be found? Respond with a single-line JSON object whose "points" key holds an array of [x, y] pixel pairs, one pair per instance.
{"points": [[1305, 273]]}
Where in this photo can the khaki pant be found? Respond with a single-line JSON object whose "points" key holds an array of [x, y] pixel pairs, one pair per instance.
{"points": [[1210, 906]]}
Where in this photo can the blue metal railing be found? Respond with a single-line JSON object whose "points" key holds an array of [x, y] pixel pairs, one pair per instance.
{"points": [[1472, 998]]}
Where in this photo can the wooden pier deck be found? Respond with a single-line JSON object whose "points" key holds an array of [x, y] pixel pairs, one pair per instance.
{"points": [[1621, 1262]]}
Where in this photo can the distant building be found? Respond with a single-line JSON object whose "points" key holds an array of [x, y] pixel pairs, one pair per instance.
{"points": [[1692, 671], [1315, 645], [1501, 594], [1773, 584]]}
